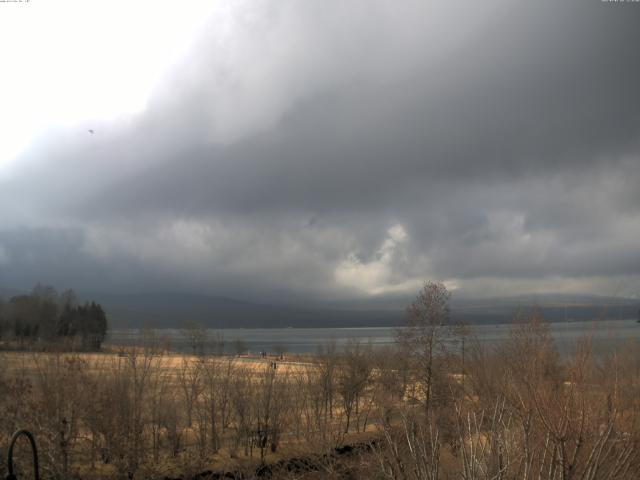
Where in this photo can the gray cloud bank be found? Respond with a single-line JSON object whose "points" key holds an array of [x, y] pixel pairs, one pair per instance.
{"points": [[333, 150]]}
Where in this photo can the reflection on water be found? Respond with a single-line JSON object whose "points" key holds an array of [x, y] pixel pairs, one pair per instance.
{"points": [[606, 336]]}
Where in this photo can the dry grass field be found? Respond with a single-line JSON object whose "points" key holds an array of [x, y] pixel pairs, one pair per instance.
{"points": [[105, 414], [510, 411]]}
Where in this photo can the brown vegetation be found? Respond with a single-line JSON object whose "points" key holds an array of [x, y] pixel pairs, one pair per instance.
{"points": [[512, 411]]}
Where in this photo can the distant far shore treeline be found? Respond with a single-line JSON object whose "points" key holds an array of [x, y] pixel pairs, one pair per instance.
{"points": [[45, 319]]}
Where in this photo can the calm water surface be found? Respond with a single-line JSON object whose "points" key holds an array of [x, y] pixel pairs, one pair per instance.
{"points": [[606, 335]]}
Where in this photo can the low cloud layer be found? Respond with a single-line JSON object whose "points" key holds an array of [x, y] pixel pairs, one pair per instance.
{"points": [[353, 149]]}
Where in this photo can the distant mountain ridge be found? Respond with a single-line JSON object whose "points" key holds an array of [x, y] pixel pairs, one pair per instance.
{"points": [[170, 310], [173, 310]]}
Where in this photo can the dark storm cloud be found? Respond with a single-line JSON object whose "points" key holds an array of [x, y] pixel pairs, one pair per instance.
{"points": [[361, 147]]}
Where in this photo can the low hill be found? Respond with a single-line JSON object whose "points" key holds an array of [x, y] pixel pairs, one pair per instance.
{"points": [[168, 310]]}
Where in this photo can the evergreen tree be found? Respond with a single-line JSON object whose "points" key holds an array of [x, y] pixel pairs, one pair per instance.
{"points": [[45, 315]]}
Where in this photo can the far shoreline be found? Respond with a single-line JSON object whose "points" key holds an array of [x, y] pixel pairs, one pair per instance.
{"points": [[607, 335]]}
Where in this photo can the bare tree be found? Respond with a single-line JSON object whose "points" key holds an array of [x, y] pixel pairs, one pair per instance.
{"points": [[354, 375], [189, 380], [58, 410], [218, 344], [215, 395], [242, 410], [410, 451], [427, 319], [196, 337], [326, 367]]}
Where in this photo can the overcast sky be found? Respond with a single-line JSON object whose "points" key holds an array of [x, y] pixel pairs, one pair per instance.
{"points": [[293, 150]]}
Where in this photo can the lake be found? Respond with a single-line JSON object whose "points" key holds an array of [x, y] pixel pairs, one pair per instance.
{"points": [[606, 335]]}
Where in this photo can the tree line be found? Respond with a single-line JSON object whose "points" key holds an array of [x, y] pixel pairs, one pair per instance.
{"points": [[45, 318]]}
